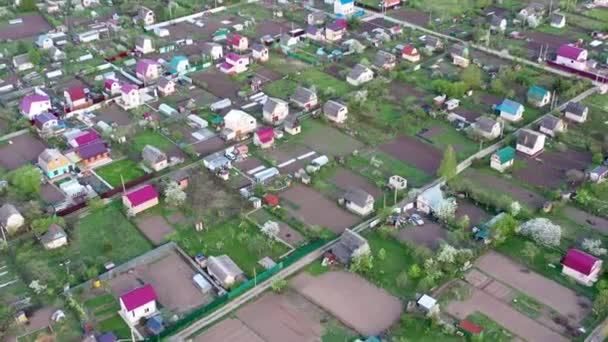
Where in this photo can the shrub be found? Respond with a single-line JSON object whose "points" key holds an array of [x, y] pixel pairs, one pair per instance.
{"points": [[542, 231]]}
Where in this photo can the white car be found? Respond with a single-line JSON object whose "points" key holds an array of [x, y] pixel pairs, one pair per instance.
{"points": [[416, 220]]}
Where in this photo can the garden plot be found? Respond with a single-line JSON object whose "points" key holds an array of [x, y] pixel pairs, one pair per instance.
{"points": [[218, 84], [549, 170], [155, 228], [31, 26], [430, 234], [169, 272], [346, 179], [250, 165], [230, 329], [326, 139], [117, 172], [209, 146], [351, 299], [20, 150], [149, 137], [398, 91], [272, 28], [518, 193], [313, 208], [286, 233], [50, 194], [290, 158], [414, 152], [476, 214], [413, 16], [114, 114]]}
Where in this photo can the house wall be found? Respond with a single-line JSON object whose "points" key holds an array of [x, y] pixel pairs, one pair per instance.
{"points": [[293, 130], [538, 147], [136, 315], [96, 159], [584, 279], [13, 223], [510, 117], [257, 142], [141, 207], [38, 108], [496, 165], [412, 59], [571, 63], [363, 211], [576, 118], [56, 243]]}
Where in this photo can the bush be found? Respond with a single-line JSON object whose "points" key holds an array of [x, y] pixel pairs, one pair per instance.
{"points": [[279, 285], [542, 231]]}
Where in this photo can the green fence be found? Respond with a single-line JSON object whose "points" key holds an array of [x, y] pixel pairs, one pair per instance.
{"points": [[246, 286], [302, 58]]}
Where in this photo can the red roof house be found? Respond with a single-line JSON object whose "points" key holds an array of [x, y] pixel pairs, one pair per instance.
{"points": [[138, 303], [581, 266], [112, 86], [85, 138], [410, 53], [470, 327], [75, 97], [264, 137], [238, 42], [271, 200], [140, 199]]}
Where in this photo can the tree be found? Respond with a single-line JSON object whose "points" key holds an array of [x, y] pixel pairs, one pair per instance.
{"points": [[446, 211], [26, 180], [95, 204], [542, 231], [594, 246], [503, 228], [498, 87], [472, 77], [415, 271], [463, 222], [34, 56], [402, 280], [270, 229], [362, 264], [530, 250], [447, 168], [41, 225], [278, 285], [27, 6], [600, 304], [382, 254], [174, 195], [515, 208]]}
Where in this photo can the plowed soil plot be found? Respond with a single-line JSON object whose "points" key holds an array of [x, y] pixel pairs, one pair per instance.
{"points": [[550, 171], [32, 25], [476, 214], [489, 100], [528, 197], [351, 299], [282, 318], [313, 208], [270, 27], [541, 38], [209, 146], [346, 179], [155, 228], [413, 16], [414, 152], [20, 150], [217, 83], [399, 91], [230, 329]]}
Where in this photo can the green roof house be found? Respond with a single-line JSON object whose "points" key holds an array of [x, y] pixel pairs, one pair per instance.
{"points": [[503, 159], [538, 96], [179, 65]]}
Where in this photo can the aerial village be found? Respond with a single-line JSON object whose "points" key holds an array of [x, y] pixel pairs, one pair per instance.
{"points": [[303, 170]]}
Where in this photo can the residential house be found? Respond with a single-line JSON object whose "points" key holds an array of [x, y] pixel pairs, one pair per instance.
{"points": [[598, 174], [224, 270], [44, 42], [154, 158], [288, 41], [432, 200], [350, 246], [144, 45], [460, 55], [54, 238], [432, 44], [451, 104], [410, 53], [335, 111], [34, 104], [129, 96], [84, 138], [140, 199], [390, 3], [530, 143], [10, 218], [497, 23], [264, 137], [275, 110], [212, 51], [552, 125], [572, 56], [234, 64], [315, 33], [316, 18], [146, 16], [237, 42], [239, 123], [54, 164], [147, 70], [76, 97], [304, 98], [138, 303], [358, 201], [359, 75], [510, 110], [165, 86], [344, 8], [582, 267], [558, 20], [384, 60], [179, 65], [56, 54], [292, 125], [502, 159], [111, 86], [335, 30], [601, 3], [538, 96], [576, 111], [487, 128], [93, 154], [22, 62], [182, 178], [271, 200], [532, 14], [48, 123], [428, 304]]}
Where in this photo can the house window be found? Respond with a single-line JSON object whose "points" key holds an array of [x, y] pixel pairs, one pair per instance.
{"points": [[133, 313], [56, 172]]}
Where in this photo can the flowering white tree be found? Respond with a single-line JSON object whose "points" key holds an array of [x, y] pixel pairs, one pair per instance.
{"points": [[515, 208], [174, 195], [446, 211], [594, 247], [542, 231], [270, 229]]}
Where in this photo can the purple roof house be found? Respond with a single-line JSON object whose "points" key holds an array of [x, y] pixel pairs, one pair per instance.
{"points": [[146, 68], [127, 88], [34, 104], [92, 150], [572, 52]]}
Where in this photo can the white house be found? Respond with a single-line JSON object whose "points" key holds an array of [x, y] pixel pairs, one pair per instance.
{"points": [[358, 201], [572, 56], [530, 142], [55, 237], [224, 270], [144, 45], [130, 97], [502, 159], [259, 53], [582, 267], [212, 50], [335, 111], [410, 53], [344, 8], [22, 62], [275, 110], [558, 20], [432, 199], [239, 123], [487, 128], [359, 75], [510, 110], [138, 303], [147, 70], [10, 218], [576, 111], [598, 174], [44, 42], [351, 245], [234, 64], [165, 86], [552, 125], [34, 105], [146, 16]]}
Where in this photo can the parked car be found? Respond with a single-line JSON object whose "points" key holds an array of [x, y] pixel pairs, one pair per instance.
{"points": [[416, 220]]}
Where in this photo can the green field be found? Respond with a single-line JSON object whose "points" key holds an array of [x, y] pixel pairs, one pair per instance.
{"points": [[384, 167], [324, 81], [282, 88], [153, 138], [128, 169], [492, 331], [117, 325], [325, 139]]}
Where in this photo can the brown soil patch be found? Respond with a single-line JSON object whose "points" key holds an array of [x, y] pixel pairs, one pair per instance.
{"points": [[114, 114], [50, 194], [24, 149], [230, 329], [155, 228], [346, 179], [528, 197], [550, 171], [209, 146], [414, 152], [430, 234], [32, 25]]}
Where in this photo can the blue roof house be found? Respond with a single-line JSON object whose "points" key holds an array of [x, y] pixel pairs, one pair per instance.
{"points": [[510, 110], [344, 8], [538, 96], [179, 65]]}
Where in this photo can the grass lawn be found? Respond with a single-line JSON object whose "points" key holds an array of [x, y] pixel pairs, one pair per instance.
{"points": [[336, 333], [153, 138], [240, 240], [527, 305], [100, 237], [417, 328], [117, 325], [316, 268], [386, 167], [282, 88], [324, 81], [99, 301], [598, 13], [128, 169], [325, 139], [492, 331]]}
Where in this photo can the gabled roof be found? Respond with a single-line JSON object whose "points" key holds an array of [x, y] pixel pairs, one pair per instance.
{"points": [[470, 327], [127, 88], [537, 92], [153, 154], [571, 52], [557, 18], [265, 135], [527, 138], [357, 196], [505, 154], [6, 211], [87, 137], [579, 261], [143, 65], [303, 95], [76, 93], [50, 154], [231, 56], [382, 58], [138, 297], [509, 106], [460, 50], [272, 103], [141, 195], [54, 232], [207, 47], [339, 24], [410, 50], [164, 81], [235, 39], [357, 71], [332, 108], [496, 21], [576, 108], [258, 47], [109, 83], [550, 122], [28, 100], [92, 150], [43, 118], [291, 121], [485, 124]]}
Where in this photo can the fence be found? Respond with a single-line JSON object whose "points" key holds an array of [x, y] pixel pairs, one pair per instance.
{"points": [[221, 300], [304, 59]]}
